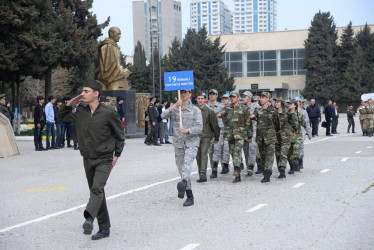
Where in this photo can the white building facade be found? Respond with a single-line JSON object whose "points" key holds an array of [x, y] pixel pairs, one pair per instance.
{"points": [[254, 16], [213, 14]]}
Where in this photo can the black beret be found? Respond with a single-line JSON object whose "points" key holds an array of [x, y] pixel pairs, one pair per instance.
{"points": [[91, 83]]}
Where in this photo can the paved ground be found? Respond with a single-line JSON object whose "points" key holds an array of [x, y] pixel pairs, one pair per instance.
{"points": [[330, 205]]}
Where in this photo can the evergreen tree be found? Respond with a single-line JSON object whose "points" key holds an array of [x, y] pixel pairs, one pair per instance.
{"points": [[139, 77], [365, 39], [345, 49], [320, 58]]}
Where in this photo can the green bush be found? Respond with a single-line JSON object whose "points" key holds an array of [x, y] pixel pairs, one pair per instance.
{"points": [[29, 132]]}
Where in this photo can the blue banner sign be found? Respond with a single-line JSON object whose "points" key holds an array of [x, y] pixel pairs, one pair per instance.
{"points": [[178, 80]]}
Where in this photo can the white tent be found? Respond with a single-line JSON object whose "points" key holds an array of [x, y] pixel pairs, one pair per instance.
{"points": [[367, 96]]}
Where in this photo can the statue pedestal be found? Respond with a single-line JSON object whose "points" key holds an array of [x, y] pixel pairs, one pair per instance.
{"points": [[8, 145], [129, 106]]}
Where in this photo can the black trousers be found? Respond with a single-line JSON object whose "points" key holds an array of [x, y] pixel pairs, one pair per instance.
{"points": [[152, 132], [334, 124], [314, 123], [328, 126], [351, 122], [38, 133]]}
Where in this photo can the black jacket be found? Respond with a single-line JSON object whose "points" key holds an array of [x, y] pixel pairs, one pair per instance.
{"points": [[152, 112], [313, 111], [329, 111], [39, 115]]}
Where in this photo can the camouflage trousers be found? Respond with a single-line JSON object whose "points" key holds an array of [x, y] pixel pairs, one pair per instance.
{"points": [[220, 151], [235, 147], [363, 125], [282, 145], [370, 124], [184, 158], [250, 151], [294, 151], [266, 149], [302, 144]]}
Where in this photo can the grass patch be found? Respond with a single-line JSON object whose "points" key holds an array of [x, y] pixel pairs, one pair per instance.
{"points": [[368, 188]]}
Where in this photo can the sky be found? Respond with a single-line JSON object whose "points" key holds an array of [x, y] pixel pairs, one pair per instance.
{"points": [[291, 15]]}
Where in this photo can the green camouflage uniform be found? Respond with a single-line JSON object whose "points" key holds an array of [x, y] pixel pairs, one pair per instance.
{"points": [[267, 127], [282, 145], [297, 137], [370, 118], [237, 129], [363, 118]]}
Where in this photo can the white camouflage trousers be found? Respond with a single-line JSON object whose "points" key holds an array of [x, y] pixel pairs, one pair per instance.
{"points": [[220, 151], [184, 158]]}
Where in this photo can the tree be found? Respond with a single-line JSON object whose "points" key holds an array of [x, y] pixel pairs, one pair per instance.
{"points": [[320, 60], [345, 49], [139, 77]]}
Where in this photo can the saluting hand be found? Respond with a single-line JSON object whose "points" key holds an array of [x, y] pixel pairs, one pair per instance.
{"points": [[74, 101]]}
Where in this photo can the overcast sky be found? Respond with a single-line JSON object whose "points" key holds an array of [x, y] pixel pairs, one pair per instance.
{"points": [[292, 15]]}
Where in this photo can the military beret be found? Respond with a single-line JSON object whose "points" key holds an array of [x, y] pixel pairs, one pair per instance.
{"points": [[256, 98], [234, 93], [2, 96], [91, 83], [267, 94], [225, 96], [248, 93], [151, 97], [213, 91]]}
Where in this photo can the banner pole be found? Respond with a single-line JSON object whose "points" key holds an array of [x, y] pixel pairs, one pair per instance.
{"points": [[180, 110]]}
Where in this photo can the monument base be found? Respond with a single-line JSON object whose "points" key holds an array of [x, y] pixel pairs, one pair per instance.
{"points": [[129, 106], [8, 145]]}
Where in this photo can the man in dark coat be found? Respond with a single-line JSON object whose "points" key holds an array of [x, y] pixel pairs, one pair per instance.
{"points": [[329, 116]]}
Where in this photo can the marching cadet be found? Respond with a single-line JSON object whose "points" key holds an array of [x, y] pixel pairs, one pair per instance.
{"points": [[250, 149], [238, 128], [282, 145], [224, 149], [215, 149], [267, 127], [101, 141], [363, 117], [256, 100], [351, 121], [186, 140], [210, 130], [306, 131], [370, 117], [296, 140], [152, 139]]}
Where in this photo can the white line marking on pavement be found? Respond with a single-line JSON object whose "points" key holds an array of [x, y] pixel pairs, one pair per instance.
{"points": [[324, 139], [345, 159], [325, 170], [298, 185], [256, 208], [370, 147], [358, 152], [83, 205], [190, 247]]}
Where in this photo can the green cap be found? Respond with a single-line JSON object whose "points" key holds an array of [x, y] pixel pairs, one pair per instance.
{"points": [[279, 99], [91, 83], [234, 93], [267, 94], [256, 98], [213, 91]]}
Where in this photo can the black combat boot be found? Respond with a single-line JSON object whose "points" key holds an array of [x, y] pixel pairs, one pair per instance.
{"points": [[364, 133], [225, 168], [259, 170], [371, 133], [103, 233], [214, 170], [250, 171], [181, 186], [267, 175], [282, 173], [295, 164], [88, 226], [301, 163], [202, 177], [241, 166], [291, 170], [237, 175], [189, 201]]}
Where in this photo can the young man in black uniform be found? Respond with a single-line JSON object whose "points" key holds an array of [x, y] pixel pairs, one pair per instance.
{"points": [[101, 140], [39, 122]]}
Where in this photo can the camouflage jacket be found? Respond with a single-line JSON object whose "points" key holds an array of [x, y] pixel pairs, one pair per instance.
{"points": [[307, 129], [286, 122], [267, 122], [191, 119], [217, 108], [370, 111], [362, 111], [237, 122], [298, 123]]}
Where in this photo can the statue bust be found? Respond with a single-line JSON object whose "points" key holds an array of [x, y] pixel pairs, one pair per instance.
{"points": [[108, 70]]}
